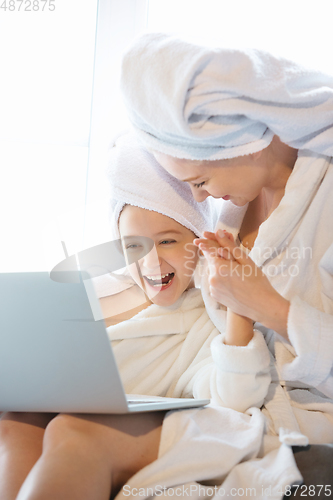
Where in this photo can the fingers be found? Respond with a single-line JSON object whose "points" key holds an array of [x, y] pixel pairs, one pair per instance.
{"points": [[223, 233], [213, 236], [206, 242], [207, 235], [212, 248], [226, 241], [223, 237], [219, 271], [225, 253]]}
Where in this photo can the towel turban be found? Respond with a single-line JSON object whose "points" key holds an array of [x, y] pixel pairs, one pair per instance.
{"points": [[137, 179], [198, 103]]}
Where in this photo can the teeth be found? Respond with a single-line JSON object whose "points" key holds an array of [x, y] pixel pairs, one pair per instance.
{"points": [[156, 281], [157, 277]]}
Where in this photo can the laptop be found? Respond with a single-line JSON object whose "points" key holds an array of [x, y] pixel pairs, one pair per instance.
{"points": [[56, 357]]}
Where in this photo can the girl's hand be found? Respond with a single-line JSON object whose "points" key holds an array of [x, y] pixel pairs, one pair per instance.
{"points": [[238, 283]]}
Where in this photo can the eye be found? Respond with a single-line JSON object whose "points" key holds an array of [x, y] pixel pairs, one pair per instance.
{"points": [[199, 185], [133, 246], [167, 242]]}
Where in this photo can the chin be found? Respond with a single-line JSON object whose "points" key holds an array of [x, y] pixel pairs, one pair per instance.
{"points": [[163, 302], [238, 203]]}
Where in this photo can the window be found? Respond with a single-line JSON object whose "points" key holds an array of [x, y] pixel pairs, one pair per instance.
{"points": [[46, 62], [52, 124], [299, 29], [61, 105]]}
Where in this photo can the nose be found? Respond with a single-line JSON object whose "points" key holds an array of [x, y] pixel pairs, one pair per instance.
{"points": [[151, 261], [199, 194]]}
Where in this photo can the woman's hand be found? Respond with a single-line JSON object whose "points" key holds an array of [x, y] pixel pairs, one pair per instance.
{"points": [[238, 283], [239, 329]]}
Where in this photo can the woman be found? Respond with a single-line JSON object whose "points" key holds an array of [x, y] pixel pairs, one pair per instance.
{"points": [[256, 131]]}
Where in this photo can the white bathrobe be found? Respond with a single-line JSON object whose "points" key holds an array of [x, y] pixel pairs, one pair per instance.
{"points": [[176, 351], [294, 248], [200, 445]]}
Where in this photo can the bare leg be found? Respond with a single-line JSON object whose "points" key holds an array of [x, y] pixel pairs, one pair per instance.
{"points": [[21, 438], [88, 457]]}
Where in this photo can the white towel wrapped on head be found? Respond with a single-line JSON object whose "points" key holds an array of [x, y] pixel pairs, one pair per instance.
{"points": [[198, 103], [137, 179]]}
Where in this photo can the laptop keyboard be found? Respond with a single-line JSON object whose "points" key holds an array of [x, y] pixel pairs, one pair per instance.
{"points": [[139, 401]]}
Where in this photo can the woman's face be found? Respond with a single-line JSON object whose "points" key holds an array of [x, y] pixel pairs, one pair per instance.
{"points": [[167, 269], [239, 180]]}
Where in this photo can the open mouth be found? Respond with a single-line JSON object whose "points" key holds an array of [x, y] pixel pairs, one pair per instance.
{"points": [[163, 280]]}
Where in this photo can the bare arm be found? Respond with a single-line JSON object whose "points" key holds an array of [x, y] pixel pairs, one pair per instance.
{"points": [[124, 305], [239, 330]]}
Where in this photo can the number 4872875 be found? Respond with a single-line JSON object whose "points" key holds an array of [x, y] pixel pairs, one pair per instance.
{"points": [[27, 5]]}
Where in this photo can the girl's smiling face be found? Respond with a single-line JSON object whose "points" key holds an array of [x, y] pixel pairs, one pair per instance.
{"points": [[167, 269]]}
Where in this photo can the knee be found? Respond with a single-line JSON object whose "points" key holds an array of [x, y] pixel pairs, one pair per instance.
{"points": [[22, 430], [8, 432], [12, 427], [66, 433], [60, 431]]}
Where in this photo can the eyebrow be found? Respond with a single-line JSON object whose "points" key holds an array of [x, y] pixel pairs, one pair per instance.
{"points": [[174, 231], [160, 233], [191, 179]]}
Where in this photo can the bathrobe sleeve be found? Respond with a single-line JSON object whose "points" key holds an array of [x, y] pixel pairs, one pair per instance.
{"points": [[311, 334], [182, 354], [235, 377], [239, 376]]}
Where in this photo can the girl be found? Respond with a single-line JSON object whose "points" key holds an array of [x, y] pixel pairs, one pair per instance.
{"points": [[181, 358], [168, 348]]}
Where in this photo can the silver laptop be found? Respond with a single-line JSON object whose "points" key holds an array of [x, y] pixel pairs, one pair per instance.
{"points": [[54, 355]]}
